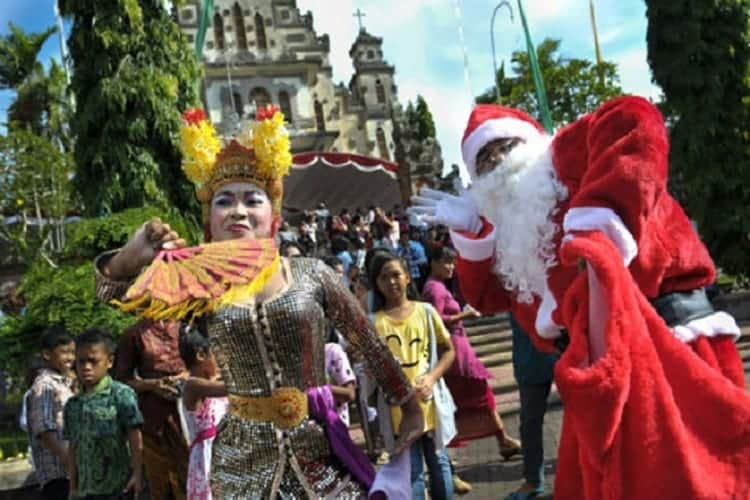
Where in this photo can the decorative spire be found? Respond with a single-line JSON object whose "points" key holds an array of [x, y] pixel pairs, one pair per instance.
{"points": [[359, 15]]}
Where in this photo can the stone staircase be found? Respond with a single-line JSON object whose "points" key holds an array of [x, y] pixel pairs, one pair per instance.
{"points": [[491, 338]]}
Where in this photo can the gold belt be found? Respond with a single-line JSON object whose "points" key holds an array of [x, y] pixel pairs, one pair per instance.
{"points": [[286, 407]]}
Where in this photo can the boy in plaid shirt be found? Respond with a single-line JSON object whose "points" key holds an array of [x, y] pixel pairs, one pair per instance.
{"points": [[51, 389]]}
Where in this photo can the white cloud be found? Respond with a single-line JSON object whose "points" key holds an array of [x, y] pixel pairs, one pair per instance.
{"points": [[635, 73]]}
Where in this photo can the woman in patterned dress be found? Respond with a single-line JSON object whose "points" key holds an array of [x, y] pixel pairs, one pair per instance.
{"points": [[270, 346]]}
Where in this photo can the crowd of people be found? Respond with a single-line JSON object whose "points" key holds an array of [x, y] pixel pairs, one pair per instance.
{"points": [[348, 236]]}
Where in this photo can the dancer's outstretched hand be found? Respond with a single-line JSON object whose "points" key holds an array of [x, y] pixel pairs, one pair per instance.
{"points": [[460, 213], [147, 241], [412, 425]]}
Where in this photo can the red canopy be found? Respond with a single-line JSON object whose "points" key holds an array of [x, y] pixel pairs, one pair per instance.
{"points": [[341, 180]]}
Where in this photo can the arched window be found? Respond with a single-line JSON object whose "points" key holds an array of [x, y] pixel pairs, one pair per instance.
{"points": [[260, 32], [239, 27], [320, 120], [225, 98], [380, 91], [260, 97], [286, 105], [219, 31], [382, 145], [237, 103]]}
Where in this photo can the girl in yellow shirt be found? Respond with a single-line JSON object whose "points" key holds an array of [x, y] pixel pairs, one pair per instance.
{"points": [[405, 326]]}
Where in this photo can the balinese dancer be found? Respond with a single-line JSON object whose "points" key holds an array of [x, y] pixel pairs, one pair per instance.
{"points": [[581, 239], [266, 319]]}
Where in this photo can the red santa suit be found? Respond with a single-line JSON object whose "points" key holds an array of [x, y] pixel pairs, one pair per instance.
{"points": [[651, 411]]}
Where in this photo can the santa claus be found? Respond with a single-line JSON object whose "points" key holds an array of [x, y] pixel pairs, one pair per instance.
{"points": [[577, 235]]}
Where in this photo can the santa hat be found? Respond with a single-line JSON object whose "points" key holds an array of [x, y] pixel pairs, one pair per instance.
{"points": [[488, 122]]}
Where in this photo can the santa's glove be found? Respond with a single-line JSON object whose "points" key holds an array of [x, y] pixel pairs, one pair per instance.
{"points": [[459, 213]]}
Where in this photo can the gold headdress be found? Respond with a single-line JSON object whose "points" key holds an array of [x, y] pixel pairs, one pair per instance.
{"points": [[260, 155], [188, 282]]}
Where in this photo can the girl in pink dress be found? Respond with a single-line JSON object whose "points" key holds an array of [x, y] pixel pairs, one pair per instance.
{"points": [[205, 402], [467, 378]]}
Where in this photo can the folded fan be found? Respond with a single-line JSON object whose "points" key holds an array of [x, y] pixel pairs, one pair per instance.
{"points": [[192, 281]]}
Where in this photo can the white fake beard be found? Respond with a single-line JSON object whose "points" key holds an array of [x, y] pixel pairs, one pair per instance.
{"points": [[520, 197]]}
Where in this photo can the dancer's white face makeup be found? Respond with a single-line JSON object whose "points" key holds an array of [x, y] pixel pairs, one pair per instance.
{"points": [[241, 210]]}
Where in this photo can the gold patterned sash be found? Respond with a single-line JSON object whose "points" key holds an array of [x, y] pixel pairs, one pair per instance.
{"points": [[286, 407]]}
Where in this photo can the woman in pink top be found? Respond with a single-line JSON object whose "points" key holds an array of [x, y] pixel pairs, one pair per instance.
{"points": [[467, 378]]}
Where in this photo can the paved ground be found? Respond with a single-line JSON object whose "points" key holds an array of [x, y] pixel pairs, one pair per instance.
{"points": [[491, 476]]}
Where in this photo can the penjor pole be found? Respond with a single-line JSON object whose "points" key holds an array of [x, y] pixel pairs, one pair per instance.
{"points": [[536, 74]]}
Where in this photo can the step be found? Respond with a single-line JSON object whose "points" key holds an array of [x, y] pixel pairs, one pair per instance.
{"points": [[489, 338], [495, 347], [497, 359], [501, 319], [503, 386], [485, 329]]}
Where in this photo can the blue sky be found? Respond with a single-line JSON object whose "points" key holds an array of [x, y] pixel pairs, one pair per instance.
{"points": [[421, 38]]}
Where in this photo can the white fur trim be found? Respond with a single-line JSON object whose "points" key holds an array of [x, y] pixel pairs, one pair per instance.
{"points": [[545, 327], [491, 130], [474, 250], [718, 323], [604, 220]]}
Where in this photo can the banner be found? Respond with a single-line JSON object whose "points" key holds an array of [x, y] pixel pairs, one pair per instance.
{"points": [[205, 20]]}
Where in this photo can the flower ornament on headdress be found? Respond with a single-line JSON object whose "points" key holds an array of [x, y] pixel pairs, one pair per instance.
{"points": [[271, 142], [199, 145]]}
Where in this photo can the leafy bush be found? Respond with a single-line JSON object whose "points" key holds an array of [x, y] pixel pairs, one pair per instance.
{"points": [[88, 238], [12, 445]]}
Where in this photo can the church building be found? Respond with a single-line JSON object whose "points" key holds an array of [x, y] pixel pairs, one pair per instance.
{"points": [[266, 51]]}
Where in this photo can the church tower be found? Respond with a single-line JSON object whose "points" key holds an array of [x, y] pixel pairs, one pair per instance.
{"points": [[373, 87]]}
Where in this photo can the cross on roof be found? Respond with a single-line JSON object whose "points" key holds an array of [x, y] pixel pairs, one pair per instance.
{"points": [[359, 15]]}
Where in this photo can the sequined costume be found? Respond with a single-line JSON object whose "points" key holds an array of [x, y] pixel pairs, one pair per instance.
{"points": [[280, 343]]}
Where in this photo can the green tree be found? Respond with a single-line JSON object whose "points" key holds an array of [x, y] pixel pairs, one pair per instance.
{"points": [[134, 73], [424, 121], [574, 86], [699, 54], [419, 119], [36, 194], [18, 55]]}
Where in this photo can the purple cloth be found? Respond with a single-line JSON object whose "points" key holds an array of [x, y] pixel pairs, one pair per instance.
{"points": [[322, 407], [466, 364], [393, 481]]}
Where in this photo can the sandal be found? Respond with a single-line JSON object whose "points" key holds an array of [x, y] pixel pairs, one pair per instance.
{"points": [[526, 495], [510, 448]]}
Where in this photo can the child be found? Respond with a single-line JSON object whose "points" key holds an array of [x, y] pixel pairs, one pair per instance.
{"points": [[406, 327], [100, 423], [51, 389], [204, 397], [341, 377]]}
